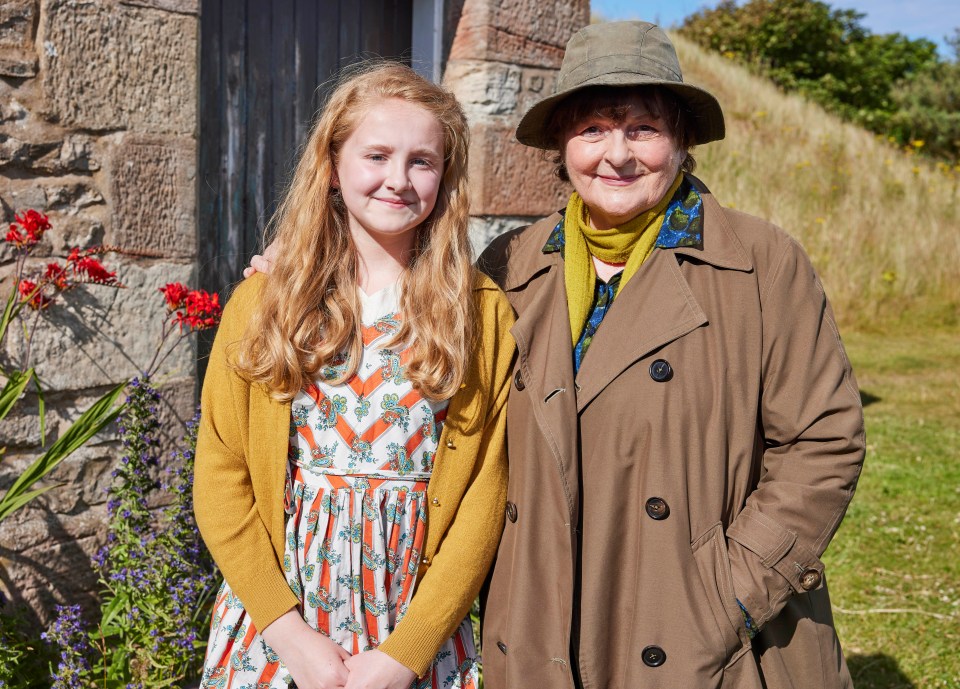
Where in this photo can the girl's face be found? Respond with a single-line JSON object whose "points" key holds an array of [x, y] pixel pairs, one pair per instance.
{"points": [[621, 167], [389, 171]]}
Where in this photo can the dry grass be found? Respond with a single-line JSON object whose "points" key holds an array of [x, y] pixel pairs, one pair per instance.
{"points": [[881, 224]]}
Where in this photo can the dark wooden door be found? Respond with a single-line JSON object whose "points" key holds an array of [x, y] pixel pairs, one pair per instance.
{"points": [[263, 69]]}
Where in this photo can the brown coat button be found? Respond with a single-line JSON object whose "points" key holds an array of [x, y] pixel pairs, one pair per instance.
{"points": [[661, 371], [653, 656], [657, 508], [810, 579], [518, 381], [503, 647], [511, 511]]}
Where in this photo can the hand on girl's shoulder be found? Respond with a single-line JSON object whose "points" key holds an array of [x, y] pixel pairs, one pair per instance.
{"points": [[261, 263]]}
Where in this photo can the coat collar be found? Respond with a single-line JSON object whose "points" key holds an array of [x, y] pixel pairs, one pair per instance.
{"points": [[672, 314], [718, 245]]}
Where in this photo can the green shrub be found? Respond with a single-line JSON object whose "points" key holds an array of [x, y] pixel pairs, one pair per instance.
{"points": [[887, 83]]}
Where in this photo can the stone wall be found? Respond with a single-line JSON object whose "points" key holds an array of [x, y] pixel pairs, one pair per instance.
{"points": [[504, 56], [98, 131]]}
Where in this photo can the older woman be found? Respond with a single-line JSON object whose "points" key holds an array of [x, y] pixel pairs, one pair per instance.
{"points": [[685, 432]]}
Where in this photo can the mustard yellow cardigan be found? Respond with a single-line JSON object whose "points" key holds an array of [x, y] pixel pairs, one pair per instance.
{"points": [[241, 469]]}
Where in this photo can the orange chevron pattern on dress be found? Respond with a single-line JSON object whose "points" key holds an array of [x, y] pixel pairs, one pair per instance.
{"points": [[359, 462]]}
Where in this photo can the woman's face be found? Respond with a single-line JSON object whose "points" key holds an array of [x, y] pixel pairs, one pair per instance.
{"points": [[621, 166]]}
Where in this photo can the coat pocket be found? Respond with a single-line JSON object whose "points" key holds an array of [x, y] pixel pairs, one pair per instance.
{"points": [[713, 565]]}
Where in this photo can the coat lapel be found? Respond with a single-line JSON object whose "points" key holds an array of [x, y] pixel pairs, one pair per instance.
{"points": [[657, 306], [654, 308], [545, 363]]}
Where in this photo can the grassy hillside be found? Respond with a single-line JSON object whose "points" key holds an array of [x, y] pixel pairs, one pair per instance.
{"points": [[881, 225]]}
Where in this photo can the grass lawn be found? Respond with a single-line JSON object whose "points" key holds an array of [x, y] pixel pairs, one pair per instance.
{"points": [[894, 566]]}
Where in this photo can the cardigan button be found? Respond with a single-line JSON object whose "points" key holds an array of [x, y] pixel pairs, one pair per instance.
{"points": [[451, 445], [436, 501], [425, 560]]}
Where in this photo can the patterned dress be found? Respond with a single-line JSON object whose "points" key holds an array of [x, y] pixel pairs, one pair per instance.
{"points": [[360, 457]]}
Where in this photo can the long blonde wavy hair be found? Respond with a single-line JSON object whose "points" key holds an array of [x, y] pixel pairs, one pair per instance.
{"points": [[309, 310]]}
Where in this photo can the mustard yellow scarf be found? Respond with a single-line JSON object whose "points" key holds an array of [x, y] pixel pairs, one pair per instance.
{"points": [[631, 242]]}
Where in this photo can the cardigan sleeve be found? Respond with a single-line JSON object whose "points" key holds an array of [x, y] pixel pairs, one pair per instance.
{"points": [[812, 425], [458, 569], [224, 502]]}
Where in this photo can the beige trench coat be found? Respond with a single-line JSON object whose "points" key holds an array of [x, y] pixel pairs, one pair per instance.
{"points": [[706, 452]]}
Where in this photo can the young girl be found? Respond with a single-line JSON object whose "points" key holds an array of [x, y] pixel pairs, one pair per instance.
{"points": [[351, 475]]}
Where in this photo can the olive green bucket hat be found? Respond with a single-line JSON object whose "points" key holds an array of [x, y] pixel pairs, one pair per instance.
{"points": [[632, 53]]}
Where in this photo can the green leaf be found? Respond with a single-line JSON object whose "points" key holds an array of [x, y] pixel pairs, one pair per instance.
{"points": [[41, 409], [13, 504], [9, 311], [17, 382], [100, 414], [111, 610]]}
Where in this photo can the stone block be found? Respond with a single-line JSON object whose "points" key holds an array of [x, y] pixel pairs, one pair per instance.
{"points": [[484, 228], [76, 154], [494, 91], [30, 155], [19, 64], [11, 110], [18, 58], [153, 196], [524, 32], [37, 152], [508, 178], [71, 196], [45, 559], [19, 195], [107, 67], [181, 6]]}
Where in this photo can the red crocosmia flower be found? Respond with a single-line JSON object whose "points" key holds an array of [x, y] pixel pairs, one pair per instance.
{"points": [[202, 310], [175, 294], [35, 298], [16, 237], [34, 224], [94, 271], [56, 275]]}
